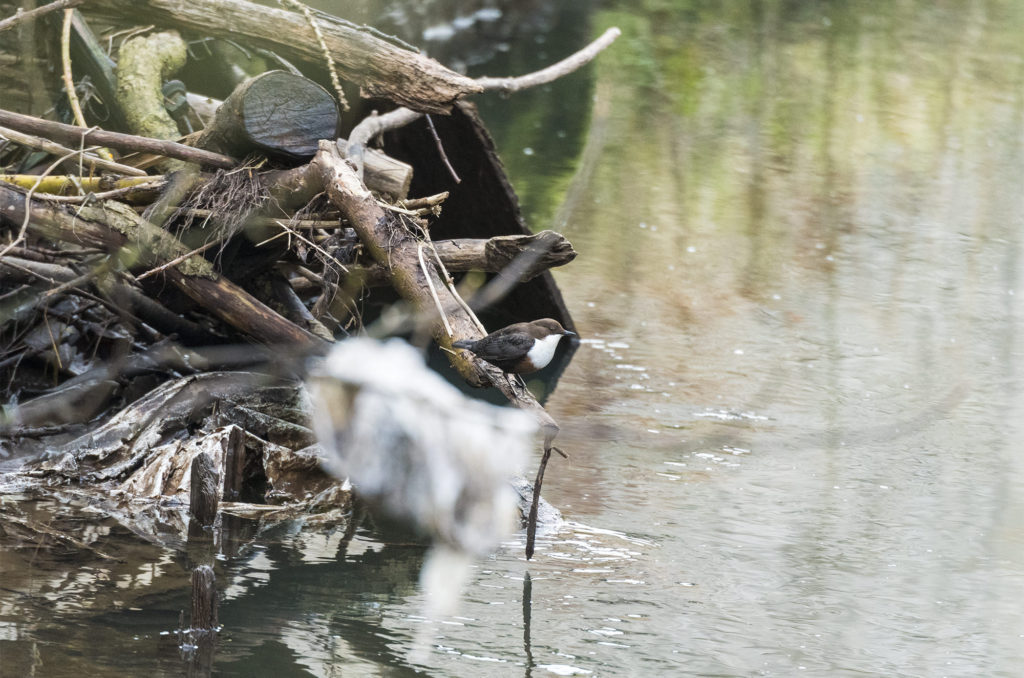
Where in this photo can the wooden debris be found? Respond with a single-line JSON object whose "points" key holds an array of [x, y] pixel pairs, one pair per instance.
{"points": [[204, 493], [277, 113], [145, 300]]}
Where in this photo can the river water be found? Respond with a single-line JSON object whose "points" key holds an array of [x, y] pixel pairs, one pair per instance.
{"points": [[795, 421]]}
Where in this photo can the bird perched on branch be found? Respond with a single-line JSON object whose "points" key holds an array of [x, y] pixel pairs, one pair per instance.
{"points": [[520, 348]]}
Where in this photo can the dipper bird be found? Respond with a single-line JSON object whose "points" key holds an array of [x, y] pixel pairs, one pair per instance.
{"points": [[519, 348]]}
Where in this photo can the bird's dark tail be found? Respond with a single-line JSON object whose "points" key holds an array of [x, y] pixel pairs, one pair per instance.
{"points": [[463, 343]]}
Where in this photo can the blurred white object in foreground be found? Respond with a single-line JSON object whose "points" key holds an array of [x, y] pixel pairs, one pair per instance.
{"points": [[416, 446]]}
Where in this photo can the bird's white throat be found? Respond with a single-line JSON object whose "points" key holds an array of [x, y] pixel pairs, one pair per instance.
{"points": [[543, 350]]}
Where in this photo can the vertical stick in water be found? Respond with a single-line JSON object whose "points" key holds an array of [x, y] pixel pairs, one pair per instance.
{"points": [[531, 526]]}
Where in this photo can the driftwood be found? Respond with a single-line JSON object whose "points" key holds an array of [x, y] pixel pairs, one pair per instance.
{"points": [[544, 250], [113, 229], [144, 63], [277, 113], [83, 288], [73, 136], [381, 68], [54, 148], [492, 255], [34, 14], [396, 248]]}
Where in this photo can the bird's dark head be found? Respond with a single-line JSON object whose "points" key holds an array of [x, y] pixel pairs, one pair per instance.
{"points": [[546, 327]]}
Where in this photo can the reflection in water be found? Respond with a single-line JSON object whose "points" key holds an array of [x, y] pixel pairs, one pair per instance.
{"points": [[792, 424]]}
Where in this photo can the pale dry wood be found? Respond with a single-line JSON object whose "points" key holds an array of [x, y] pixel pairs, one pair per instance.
{"points": [[69, 134], [41, 144], [13, 21], [114, 227], [395, 248], [554, 71], [374, 125]]}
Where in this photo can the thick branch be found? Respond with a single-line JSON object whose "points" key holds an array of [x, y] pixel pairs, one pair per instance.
{"points": [[74, 136], [144, 63], [395, 248], [113, 227], [53, 148], [490, 255], [373, 125], [13, 21], [379, 67]]}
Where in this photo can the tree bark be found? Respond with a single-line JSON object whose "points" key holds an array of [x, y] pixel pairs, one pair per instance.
{"points": [[395, 248], [380, 68], [73, 136], [114, 227], [277, 113], [490, 255]]}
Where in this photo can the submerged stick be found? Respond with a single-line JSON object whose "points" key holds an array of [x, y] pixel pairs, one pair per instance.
{"points": [[531, 524], [204, 599]]}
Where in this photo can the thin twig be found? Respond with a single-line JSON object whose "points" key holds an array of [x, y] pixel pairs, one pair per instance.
{"points": [[178, 260], [428, 201], [335, 81], [65, 60], [20, 16], [554, 71], [433, 290], [28, 203], [399, 210], [320, 250], [41, 144], [70, 134], [440, 149]]}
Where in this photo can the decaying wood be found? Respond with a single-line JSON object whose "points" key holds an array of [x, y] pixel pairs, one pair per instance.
{"points": [[379, 67], [88, 159], [75, 136], [277, 113], [548, 249], [33, 14], [116, 228], [144, 63], [396, 248], [543, 250], [204, 490], [204, 599]]}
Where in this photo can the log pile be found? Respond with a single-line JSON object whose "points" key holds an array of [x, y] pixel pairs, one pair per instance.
{"points": [[169, 261]]}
